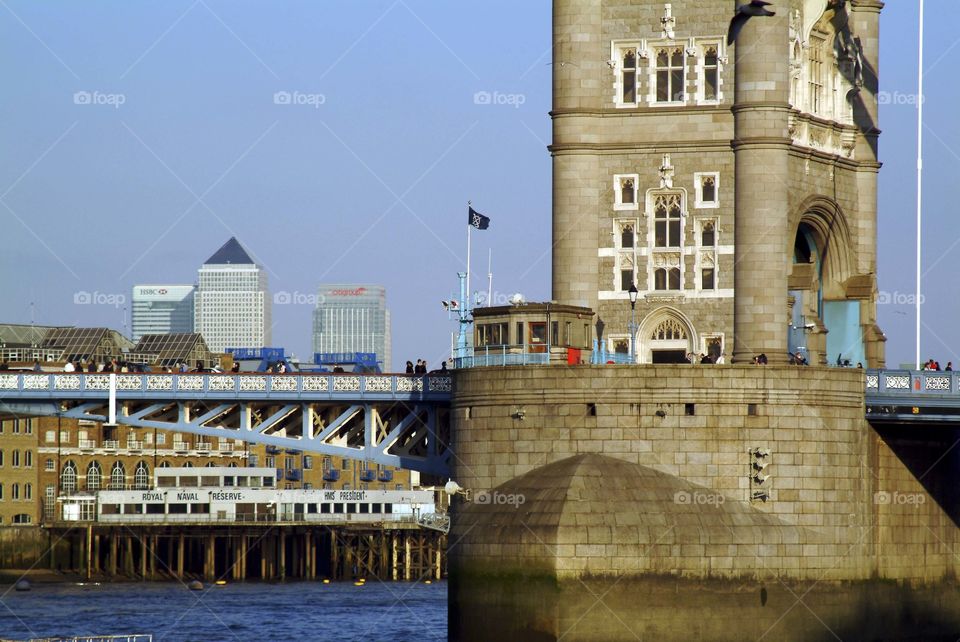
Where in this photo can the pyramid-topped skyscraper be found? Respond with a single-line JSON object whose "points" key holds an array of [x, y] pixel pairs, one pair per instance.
{"points": [[232, 301]]}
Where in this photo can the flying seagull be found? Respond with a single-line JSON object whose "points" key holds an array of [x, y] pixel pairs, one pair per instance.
{"points": [[744, 13]]}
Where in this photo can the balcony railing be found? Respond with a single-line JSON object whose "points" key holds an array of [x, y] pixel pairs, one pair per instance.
{"points": [[181, 446], [87, 444], [203, 446], [134, 444], [331, 475], [111, 444], [226, 447]]}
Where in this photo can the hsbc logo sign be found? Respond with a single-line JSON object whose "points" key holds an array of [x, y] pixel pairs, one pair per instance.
{"points": [[152, 291]]}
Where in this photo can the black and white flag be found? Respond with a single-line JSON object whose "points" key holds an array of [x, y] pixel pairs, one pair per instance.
{"points": [[477, 219]]}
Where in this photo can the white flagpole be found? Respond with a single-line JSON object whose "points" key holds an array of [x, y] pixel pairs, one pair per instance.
{"points": [[469, 301], [919, 173], [490, 278]]}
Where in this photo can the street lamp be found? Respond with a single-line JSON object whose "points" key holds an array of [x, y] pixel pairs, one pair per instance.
{"points": [[633, 318]]}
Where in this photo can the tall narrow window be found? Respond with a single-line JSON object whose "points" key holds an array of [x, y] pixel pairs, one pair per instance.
{"points": [[711, 74], [117, 476], [141, 476], [68, 478], [626, 236], [670, 76], [625, 192], [708, 237], [815, 77], [667, 220], [94, 477], [708, 189], [628, 77], [626, 280], [707, 279]]}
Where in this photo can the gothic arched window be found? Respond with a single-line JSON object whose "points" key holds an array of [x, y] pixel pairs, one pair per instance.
{"points": [[118, 475], [667, 217]]}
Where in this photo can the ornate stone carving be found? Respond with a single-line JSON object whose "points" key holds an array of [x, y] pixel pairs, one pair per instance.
{"points": [[667, 22], [669, 330], [666, 173]]}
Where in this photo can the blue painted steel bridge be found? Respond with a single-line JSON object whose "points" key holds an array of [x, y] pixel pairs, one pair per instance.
{"points": [[395, 420]]}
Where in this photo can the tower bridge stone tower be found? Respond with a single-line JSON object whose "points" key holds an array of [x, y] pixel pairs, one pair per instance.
{"points": [[735, 186]]}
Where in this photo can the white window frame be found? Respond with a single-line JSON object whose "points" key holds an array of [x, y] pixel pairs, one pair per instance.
{"points": [[700, 75], [652, 73], [653, 250], [703, 250], [618, 204], [618, 225], [698, 202], [617, 49]]}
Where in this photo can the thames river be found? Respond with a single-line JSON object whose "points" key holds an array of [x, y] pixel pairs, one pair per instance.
{"points": [[171, 613]]}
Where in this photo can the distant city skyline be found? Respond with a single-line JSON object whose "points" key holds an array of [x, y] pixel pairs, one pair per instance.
{"points": [[138, 137]]}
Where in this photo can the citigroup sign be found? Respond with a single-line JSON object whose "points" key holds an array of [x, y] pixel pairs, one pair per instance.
{"points": [[347, 292]]}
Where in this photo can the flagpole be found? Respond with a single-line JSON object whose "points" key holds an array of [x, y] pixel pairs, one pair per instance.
{"points": [[490, 278], [919, 172], [469, 305]]}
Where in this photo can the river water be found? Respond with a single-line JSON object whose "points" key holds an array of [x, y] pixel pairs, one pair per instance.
{"points": [[235, 612]]}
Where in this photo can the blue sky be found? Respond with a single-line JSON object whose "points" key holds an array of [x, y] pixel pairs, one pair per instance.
{"points": [[178, 143]]}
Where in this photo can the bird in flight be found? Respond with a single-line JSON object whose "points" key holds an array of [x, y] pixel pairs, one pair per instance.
{"points": [[745, 12]]}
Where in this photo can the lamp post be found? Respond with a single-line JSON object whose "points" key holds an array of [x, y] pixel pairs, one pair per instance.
{"points": [[633, 319]]}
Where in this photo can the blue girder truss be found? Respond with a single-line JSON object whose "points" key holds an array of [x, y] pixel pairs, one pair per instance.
{"points": [[395, 420]]}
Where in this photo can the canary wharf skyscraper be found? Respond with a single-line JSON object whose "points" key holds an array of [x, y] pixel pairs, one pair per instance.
{"points": [[353, 318], [232, 305]]}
